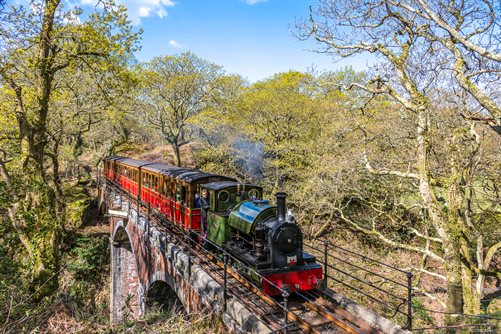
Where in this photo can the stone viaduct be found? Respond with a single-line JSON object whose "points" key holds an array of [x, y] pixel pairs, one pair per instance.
{"points": [[147, 265]]}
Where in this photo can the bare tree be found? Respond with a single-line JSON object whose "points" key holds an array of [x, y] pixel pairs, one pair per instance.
{"points": [[470, 31], [420, 54]]}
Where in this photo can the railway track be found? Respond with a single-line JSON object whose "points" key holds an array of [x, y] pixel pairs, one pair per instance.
{"points": [[306, 312]]}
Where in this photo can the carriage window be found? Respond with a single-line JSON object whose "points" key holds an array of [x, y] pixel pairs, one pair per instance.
{"points": [[196, 201], [181, 194]]}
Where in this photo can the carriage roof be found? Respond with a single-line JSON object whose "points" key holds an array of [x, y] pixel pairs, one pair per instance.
{"points": [[218, 185], [134, 162]]}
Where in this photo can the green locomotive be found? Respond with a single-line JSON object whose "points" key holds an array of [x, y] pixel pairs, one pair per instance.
{"points": [[261, 236]]}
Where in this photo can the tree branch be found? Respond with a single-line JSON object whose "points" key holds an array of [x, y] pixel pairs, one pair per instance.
{"points": [[390, 242], [457, 36]]}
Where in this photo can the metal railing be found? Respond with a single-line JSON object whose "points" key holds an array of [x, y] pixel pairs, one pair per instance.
{"points": [[335, 260], [336, 264]]}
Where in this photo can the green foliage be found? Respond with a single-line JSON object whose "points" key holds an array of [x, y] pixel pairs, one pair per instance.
{"points": [[78, 203], [88, 257], [174, 91], [420, 312], [52, 90], [158, 321]]}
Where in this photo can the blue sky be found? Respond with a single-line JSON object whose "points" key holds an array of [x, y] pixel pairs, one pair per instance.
{"points": [[247, 37], [251, 38]]}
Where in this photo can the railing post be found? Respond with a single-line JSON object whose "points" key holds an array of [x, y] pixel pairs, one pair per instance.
{"points": [[225, 261], [409, 301], [149, 211], [325, 260], [189, 258], [285, 294], [137, 215]]}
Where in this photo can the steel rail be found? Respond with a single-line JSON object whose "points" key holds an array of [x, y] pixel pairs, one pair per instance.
{"points": [[324, 300]]}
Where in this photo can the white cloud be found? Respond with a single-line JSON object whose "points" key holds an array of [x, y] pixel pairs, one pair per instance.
{"points": [[175, 44], [138, 9], [253, 2], [144, 11]]}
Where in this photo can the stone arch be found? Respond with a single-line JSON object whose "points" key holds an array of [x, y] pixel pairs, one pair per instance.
{"points": [[160, 294], [126, 289], [103, 209]]}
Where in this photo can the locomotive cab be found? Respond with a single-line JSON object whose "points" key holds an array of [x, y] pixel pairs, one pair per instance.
{"points": [[223, 197]]}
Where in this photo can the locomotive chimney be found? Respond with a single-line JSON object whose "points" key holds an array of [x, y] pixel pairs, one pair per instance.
{"points": [[281, 207]]}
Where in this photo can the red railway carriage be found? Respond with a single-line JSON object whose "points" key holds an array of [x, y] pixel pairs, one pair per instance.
{"points": [[129, 175], [110, 166], [169, 189], [172, 191]]}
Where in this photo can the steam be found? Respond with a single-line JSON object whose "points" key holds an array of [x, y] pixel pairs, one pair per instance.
{"points": [[249, 157]]}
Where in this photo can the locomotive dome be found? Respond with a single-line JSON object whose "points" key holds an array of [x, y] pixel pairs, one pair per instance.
{"points": [[247, 214]]}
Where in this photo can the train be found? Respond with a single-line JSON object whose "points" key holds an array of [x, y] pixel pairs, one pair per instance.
{"points": [[262, 237]]}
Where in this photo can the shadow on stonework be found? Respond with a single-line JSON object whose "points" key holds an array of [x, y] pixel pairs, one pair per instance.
{"points": [[161, 298]]}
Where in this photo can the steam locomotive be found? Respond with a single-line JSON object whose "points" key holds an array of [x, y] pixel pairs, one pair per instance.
{"points": [[260, 236]]}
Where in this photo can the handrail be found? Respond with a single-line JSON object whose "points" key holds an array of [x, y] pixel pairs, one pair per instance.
{"points": [[329, 253]]}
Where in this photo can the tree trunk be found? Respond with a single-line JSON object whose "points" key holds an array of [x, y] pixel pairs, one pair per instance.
{"points": [[453, 267], [442, 224], [177, 154]]}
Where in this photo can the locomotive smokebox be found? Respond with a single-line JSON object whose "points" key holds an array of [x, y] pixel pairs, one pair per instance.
{"points": [[281, 207]]}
